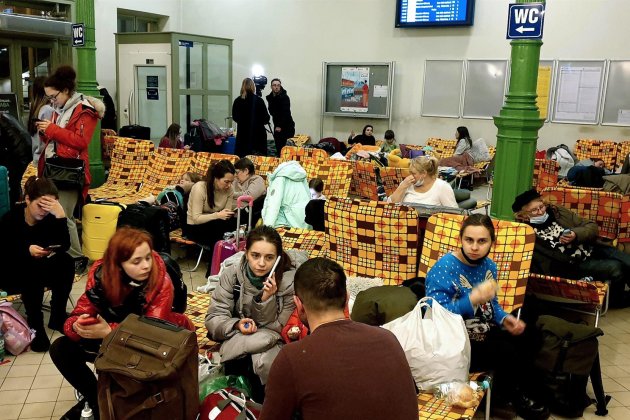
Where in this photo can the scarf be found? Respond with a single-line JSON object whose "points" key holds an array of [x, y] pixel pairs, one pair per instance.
{"points": [[255, 280]]}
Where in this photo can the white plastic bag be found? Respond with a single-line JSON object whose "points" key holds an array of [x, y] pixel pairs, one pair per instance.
{"points": [[436, 345]]}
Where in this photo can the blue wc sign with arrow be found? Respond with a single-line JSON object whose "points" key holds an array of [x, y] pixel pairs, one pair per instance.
{"points": [[525, 21]]}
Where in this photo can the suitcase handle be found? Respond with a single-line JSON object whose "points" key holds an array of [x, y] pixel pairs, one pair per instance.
{"points": [[239, 200], [157, 322], [242, 198]]}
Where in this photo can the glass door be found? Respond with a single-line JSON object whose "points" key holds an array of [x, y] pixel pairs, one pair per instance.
{"points": [[35, 62]]}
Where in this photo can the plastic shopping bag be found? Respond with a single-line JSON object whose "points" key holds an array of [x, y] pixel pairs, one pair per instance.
{"points": [[436, 344]]}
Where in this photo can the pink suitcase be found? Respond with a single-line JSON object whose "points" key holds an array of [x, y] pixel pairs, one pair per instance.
{"points": [[227, 247]]}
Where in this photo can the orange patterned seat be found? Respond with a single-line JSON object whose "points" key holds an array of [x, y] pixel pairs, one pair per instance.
{"points": [[392, 177], [545, 174], [372, 238], [301, 153], [441, 148], [624, 220], [623, 149], [196, 310], [31, 170], [264, 165], [363, 183], [336, 174], [300, 139], [603, 149], [357, 147], [202, 160], [312, 241], [129, 162], [166, 166], [431, 408]]}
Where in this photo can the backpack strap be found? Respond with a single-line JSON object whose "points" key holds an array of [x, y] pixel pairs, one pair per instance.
{"points": [[167, 394]]}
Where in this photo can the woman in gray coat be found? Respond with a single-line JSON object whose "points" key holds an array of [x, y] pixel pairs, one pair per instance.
{"points": [[251, 305]]}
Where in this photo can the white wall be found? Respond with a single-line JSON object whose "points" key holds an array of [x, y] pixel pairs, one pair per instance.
{"points": [[291, 39]]}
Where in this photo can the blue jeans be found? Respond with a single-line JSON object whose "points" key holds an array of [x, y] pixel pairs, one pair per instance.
{"points": [[609, 264]]}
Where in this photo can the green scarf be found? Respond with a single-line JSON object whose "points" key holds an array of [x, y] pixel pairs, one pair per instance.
{"points": [[256, 281]]}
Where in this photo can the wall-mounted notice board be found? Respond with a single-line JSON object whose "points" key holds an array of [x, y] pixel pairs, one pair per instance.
{"points": [[543, 87], [484, 92], [578, 91], [617, 95], [357, 89], [442, 91]]}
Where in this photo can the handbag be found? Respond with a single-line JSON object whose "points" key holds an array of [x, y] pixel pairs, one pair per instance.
{"points": [[435, 343], [65, 173]]}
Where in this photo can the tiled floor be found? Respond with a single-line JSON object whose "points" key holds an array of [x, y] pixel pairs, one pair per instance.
{"points": [[32, 388]]}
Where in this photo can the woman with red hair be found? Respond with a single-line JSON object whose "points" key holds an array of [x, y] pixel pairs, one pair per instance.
{"points": [[131, 278]]}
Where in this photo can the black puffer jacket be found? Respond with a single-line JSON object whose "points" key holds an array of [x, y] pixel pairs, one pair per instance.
{"points": [[280, 110]]}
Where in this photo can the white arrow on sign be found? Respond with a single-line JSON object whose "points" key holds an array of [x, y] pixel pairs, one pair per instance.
{"points": [[522, 29]]}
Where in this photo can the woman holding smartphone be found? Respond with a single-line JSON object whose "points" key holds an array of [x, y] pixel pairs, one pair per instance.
{"points": [[131, 278], [251, 305], [35, 240]]}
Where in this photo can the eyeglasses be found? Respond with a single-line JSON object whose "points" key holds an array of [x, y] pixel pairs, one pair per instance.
{"points": [[53, 97], [540, 209]]}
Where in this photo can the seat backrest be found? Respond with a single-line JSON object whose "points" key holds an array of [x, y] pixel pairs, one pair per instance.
{"points": [[603, 149], [363, 182], [602, 207], [623, 149], [545, 174], [166, 167], [264, 165], [129, 162], [336, 174], [200, 161], [311, 241], [512, 253], [300, 139], [301, 153], [392, 177], [441, 148], [373, 238]]}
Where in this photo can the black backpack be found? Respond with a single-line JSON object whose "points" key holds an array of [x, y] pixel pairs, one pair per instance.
{"points": [[180, 291], [568, 356], [204, 136], [153, 219]]}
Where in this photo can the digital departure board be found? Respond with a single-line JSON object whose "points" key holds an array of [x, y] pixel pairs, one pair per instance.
{"points": [[419, 13]]}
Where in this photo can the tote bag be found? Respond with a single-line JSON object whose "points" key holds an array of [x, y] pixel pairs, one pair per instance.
{"points": [[435, 343]]}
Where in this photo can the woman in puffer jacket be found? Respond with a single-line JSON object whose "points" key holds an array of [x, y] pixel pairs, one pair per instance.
{"points": [[251, 305]]}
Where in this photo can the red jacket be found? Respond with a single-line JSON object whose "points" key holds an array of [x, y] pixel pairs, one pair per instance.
{"points": [[73, 140], [159, 301]]}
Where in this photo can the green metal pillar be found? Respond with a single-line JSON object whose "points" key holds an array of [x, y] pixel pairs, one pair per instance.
{"points": [[86, 83], [518, 124]]}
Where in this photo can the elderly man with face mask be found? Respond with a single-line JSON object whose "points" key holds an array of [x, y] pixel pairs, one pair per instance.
{"points": [[566, 246]]}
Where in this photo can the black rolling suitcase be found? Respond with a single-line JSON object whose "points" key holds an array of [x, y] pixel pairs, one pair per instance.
{"points": [[153, 219], [135, 132]]}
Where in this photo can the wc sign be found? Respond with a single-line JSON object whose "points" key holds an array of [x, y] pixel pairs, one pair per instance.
{"points": [[525, 21], [78, 35]]}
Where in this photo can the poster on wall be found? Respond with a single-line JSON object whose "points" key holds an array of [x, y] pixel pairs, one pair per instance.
{"points": [[542, 90], [355, 89], [578, 92]]}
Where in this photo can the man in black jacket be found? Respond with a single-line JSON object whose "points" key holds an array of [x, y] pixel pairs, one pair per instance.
{"points": [[280, 110]]}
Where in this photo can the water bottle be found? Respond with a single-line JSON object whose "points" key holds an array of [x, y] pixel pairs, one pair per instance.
{"points": [[86, 413]]}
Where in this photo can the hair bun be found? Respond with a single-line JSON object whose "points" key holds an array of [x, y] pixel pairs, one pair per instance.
{"points": [[65, 72]]}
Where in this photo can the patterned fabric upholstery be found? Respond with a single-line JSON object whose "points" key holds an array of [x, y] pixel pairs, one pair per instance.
{"points": [[442, 148], [623, 148], [589, 293], [599, 206], [545, 174], [363, 182], [357, 147], [129, 162], [166, 166], [512, 253], [300, 139], [264, 165], [432, 408], [301, 153], [312, 241], [196, 310], [392, 177], [31, 170], [202, 160], [336, 174], [603, 149], [373, 238], [624, 220]]}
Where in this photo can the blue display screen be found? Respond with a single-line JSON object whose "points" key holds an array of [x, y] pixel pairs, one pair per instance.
{"points": [[418, 13]]}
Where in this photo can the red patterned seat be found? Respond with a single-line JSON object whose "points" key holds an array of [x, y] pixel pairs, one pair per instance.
{"points": [[363, 182], [545, 174], [623, 149]]}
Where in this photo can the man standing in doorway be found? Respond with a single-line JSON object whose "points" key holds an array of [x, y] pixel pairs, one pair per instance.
{"points": [[280, 110]]}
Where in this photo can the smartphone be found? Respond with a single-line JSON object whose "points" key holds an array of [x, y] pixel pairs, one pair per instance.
{"points": [[274, 266], [91, 320], [52, 247], [566, 232]]}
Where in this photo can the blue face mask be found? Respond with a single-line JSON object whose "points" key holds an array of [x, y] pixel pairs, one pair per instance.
{"points": [[539, 220]]}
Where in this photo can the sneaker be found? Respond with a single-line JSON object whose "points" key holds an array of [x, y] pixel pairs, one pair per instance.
{"points": [[40, 343], [80, 265]]}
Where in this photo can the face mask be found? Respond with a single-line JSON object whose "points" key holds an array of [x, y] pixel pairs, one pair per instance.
{"points": [[538, 220], [474, 262]]}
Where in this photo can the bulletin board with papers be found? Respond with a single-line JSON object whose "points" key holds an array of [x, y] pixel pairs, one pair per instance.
{"points": [[578, 91]]}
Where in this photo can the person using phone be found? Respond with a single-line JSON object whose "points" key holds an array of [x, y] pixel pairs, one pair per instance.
{"points": [[131, 278], [30, 232], [251, 305], [423, 185]]}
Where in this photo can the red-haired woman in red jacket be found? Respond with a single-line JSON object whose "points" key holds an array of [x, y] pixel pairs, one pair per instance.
{"points": [[130, 279]]}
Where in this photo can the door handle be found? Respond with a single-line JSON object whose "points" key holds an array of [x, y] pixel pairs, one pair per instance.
{"points": [[130, 106]]}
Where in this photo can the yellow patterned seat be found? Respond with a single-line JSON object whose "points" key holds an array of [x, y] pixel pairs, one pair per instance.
{"points": [[603, 149], [441, 148], [392, 177], [623, 149], [312, 241], [512, 253], [545, 174], [196, 310], [624, 220], [264, 165], [372, 238], [129, 162], [300, 153], [336, 174], [358, 147], [31, 170], [202, 160], [166, 166], [363, 183], [300, 139]]}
